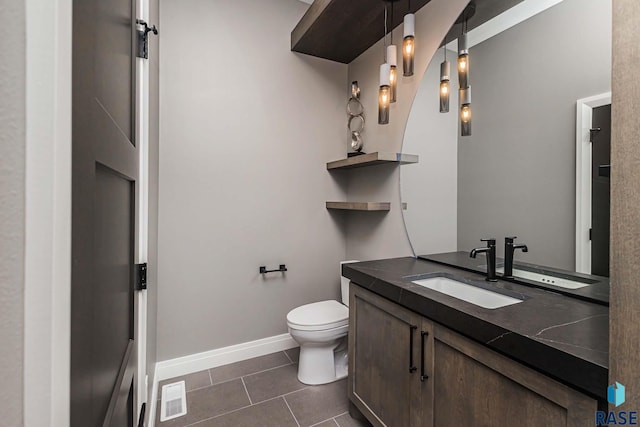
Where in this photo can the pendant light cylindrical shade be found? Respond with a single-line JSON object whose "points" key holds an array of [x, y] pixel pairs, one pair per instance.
{"points": [[408, 44], [384, 94], [445, 70], [463, 61], [465, 111], [392, 60]]}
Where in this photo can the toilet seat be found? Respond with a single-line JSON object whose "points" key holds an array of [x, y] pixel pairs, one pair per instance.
{"points": [[318, 316]]}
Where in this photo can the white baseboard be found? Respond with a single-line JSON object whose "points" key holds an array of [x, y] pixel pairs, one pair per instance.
{"points": [[222, 356], [212, 359]]}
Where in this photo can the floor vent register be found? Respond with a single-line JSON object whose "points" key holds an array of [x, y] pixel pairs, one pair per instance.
{"points": [[174, 401]]}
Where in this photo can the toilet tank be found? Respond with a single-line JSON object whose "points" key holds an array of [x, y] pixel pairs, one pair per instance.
{"points": [[344, 283]]}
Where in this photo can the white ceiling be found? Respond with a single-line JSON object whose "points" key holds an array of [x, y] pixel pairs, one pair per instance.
{"points": [[517, 14]]}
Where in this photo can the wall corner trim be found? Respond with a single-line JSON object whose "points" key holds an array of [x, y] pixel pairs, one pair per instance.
{"points": [[153, 404]]}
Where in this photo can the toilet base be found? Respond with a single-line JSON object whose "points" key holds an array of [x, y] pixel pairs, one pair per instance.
{"points": [[323, 363]]}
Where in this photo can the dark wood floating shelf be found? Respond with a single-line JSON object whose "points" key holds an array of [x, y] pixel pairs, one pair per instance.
{"points": [[340, 30], [360, 206], [372, 159]]}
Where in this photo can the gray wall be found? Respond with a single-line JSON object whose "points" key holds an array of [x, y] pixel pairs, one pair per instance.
{"points": [[376, 235], [12, 202], [246, 129], [516, 173]]}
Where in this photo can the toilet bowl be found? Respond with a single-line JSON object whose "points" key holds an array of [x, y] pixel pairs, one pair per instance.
{"points": [[321, 330]]}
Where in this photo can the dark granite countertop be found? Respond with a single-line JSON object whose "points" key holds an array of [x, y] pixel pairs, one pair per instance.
{"points": [[563, 337], [597, 291]]}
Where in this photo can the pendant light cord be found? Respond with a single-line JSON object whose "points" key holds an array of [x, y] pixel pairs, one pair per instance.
{"points": [[445, 49], [391, 23], [384, 43]]}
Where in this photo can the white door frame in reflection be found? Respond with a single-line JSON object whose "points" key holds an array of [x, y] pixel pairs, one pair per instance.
{"points": [[584, 109]]}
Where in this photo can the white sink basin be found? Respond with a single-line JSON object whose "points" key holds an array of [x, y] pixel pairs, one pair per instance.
{"points": [[547, 279], [474, 295]]}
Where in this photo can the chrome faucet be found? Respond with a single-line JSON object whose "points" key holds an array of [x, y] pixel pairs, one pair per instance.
{"points": [[509, 249], [490, 251]]}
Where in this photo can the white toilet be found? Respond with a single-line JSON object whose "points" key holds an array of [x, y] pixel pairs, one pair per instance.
{"points": [[321, 330]]}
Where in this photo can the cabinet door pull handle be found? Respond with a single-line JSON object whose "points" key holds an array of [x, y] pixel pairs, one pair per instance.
{"points": [[412, 368], [423, 375]]}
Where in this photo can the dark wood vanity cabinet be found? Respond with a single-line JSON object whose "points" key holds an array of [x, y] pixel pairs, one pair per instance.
{"points": [[467, 384], [478, 387], [390, 362]]}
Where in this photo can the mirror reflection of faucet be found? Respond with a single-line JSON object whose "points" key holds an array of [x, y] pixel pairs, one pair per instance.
{"points": [[509, 249], [490, 251]]}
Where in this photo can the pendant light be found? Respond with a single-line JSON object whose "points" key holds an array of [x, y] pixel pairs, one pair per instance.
{"points": [[445, 88], [463, 80], [392, 60], [408, 43], [463, 59], [384, 92], [465, 111]]}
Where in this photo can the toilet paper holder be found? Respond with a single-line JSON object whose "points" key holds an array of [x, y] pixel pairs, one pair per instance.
{"points": [[282, 268]]}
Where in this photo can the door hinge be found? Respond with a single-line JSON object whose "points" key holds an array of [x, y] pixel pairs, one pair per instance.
{"points": [[141, 277], [604, 170], [591, 234], [592, 133], [143, 38]]}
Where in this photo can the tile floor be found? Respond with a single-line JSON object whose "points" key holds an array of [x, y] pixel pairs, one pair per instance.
{"points": [[260, 392]]}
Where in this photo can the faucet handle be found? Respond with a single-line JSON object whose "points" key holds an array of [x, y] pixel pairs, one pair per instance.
{"points": [[510, 239], [490, 241]]}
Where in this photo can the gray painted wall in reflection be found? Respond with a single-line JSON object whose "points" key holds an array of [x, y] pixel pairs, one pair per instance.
{"points": [[516, 173]]}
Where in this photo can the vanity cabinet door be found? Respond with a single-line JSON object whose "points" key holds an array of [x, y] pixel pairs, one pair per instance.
{"points": [[479, 387], [385, 360]]}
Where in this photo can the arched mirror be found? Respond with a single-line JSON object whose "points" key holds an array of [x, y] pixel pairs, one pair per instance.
{"points": [[540, 81]]}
